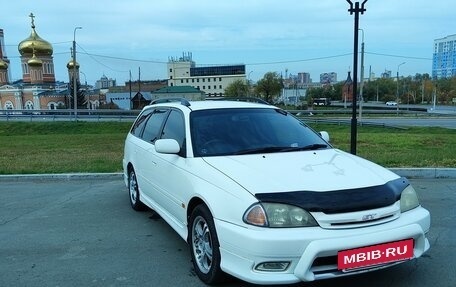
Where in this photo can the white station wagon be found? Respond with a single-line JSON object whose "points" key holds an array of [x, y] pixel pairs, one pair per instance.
{"points": [[259, 195]]}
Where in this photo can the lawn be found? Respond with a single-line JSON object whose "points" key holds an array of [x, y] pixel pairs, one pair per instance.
{"points": [[61, 147], [67, 147]]}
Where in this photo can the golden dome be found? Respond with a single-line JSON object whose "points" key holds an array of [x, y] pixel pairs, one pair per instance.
{"points": [[70, 65], [34, 61], [35, 42], [3, 65]]}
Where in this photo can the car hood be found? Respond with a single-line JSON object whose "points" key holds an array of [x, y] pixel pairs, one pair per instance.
{"points": [[322, 170]]}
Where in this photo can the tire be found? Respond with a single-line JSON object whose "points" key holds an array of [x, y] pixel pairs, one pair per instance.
{"points": [[204, 246], [133, 192]]}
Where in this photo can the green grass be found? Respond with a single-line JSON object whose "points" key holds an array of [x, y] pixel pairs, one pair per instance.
{"points": [[61, 147], [391, 147]]}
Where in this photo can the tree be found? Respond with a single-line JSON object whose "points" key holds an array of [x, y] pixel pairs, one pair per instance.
{"points": [[238, 88], [331, 92], [446, 90], [269, 86], [383, 89], [80, 93]]}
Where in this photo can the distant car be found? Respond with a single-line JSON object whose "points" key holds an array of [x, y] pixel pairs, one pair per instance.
{"points": [[391, 103], [258, 194]]}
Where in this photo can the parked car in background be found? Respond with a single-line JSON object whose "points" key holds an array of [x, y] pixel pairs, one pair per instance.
{"points": [[391, 103], [259, 195]]}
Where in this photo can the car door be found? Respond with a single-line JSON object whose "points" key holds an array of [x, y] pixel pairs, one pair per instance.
{"points": [[170, 173], [146, 161]]}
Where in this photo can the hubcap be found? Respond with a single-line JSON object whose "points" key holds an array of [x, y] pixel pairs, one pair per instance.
{"points": [[133, 187], [202, 244]]}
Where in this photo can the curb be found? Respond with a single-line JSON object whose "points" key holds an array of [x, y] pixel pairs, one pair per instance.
{"points": [[428, 173], [62, 177], [423, 173]]}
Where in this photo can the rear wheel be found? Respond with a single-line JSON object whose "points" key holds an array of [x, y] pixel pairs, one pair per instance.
{"points": [[133, 191], [204, 246]]}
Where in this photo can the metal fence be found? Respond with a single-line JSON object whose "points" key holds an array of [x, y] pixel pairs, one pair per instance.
{"points": [[68, 115]]}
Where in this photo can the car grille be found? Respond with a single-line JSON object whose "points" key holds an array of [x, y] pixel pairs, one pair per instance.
{"points": [[359, 218]]}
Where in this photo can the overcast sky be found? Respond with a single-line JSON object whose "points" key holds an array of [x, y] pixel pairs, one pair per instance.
{"points": [[119, 36]]}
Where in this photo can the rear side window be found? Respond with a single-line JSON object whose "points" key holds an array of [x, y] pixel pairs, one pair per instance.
{"points": [[153, 125], [139, 124]]}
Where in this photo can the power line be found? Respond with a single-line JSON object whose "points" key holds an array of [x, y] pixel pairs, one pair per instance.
{"points": [[124, 59], [302, 60], [94, 56], [104, 65], [399, 56]]}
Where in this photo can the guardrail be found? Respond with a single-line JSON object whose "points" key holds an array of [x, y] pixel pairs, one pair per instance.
{"points": [[68, 115], [130, 115], [346, 122]]}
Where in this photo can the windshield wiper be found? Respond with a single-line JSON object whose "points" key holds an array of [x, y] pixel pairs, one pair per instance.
{"points": [[268, 149], [307, 147], [272, 149]]}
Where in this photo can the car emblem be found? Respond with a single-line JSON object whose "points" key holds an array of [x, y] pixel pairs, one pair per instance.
{"points": [[368, 217]]}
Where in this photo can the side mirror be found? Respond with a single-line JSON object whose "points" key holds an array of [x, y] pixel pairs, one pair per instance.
{"points": [[169, 146], [324, 135]]}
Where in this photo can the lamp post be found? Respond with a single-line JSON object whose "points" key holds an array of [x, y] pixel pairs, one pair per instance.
{"points": [[248, 83], [355, 9], [75, 92], [361, 84], [85, 78], [397, 87]]}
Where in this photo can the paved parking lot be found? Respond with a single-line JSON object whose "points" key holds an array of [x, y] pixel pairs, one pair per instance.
{"points": [[84, 233]]}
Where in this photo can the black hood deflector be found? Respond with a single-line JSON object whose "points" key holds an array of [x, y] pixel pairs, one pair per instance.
{"points": [[339, 201]]}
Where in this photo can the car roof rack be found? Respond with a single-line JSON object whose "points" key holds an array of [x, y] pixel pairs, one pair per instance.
{"points": [[183, 101], [240, 99]]}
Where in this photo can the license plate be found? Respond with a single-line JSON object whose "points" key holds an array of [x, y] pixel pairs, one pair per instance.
{"points": [[375, 255]]}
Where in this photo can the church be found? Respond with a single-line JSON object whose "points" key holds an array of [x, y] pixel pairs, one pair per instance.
{"points": [[38, 89]]}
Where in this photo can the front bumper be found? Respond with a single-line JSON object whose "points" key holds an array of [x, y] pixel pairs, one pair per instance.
{"points": [[310, 251]]}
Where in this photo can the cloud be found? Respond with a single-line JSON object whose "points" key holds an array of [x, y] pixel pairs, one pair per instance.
{"points": [[248, 31]]}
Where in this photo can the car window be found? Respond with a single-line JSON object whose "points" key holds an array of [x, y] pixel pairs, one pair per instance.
{"points": [[153, 125], [140, 122], [174, 128], [241, 131]]}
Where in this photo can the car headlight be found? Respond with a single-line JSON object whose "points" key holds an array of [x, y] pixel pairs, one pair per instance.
{"points": [[409, 199], [278, 215]]}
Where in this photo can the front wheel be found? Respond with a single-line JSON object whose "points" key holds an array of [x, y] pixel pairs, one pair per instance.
{"points": [[204, 246], [133, 191]]}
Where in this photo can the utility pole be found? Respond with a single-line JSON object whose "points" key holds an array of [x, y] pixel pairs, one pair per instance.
{"points": [[129, 86], [422, 91], [355, 10], [397, 87]]}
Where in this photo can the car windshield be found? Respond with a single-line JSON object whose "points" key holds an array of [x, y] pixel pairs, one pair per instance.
{"points": [[250, 131]]}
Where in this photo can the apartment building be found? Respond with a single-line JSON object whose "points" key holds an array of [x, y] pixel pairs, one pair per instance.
{"points": [[444, 57]]}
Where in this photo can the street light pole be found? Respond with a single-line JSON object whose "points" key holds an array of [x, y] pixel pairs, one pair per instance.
{"points": [[75, 92], [355, 10], [361, 99], [248, 83], [85, 78], [397, 87]]}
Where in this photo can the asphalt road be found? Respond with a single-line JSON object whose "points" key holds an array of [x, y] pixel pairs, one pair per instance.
{"points": [[84, 233]]}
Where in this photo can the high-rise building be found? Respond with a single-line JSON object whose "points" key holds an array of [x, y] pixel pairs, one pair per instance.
{"points": [[104, 83], [304, 78], [444, 57], [328, 78]]}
